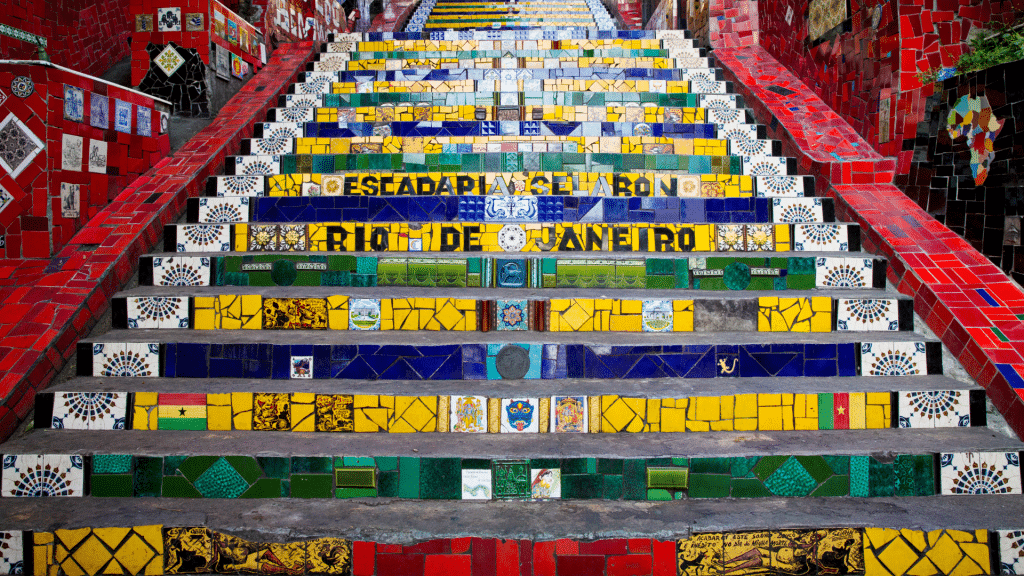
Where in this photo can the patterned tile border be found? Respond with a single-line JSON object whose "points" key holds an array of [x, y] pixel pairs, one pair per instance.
{"points": [[156, 550], [966, 300], [50, 304]]}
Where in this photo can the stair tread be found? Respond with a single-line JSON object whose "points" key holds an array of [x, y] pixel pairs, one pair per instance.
{"points": [[405, 521], [435, 445], [650, 388]]}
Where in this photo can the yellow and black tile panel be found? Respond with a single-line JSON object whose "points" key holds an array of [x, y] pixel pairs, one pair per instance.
{"points": [[497, 143]]}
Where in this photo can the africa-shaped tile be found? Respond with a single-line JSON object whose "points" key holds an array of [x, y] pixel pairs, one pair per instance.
{"points": [[979, 473], [867, 314], [476, 484], [934, 409], [181, 271], [468, 414], [90, 410], [42, 475], [519, 415], [569, 414], [893, 358]]}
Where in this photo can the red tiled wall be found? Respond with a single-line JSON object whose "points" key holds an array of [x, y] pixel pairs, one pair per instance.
{"points": [[285, 20], [496, 557], [32, 225], [85, 35], [48, 305]]}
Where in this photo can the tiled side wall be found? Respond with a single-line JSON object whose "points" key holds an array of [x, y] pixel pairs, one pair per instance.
{"points": [[85, 35], [85, 140], [56, 302]]}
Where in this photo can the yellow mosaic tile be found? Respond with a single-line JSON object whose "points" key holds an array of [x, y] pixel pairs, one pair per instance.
{"points": [[414, 414], [302, 411], [373, 413], [812, 314], [93, 551], [242, 410], [890, 552], [229, 312], [145, 415], [218, 411]]}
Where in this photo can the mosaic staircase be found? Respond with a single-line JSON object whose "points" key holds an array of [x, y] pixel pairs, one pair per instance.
{"points": [[573, 186]]}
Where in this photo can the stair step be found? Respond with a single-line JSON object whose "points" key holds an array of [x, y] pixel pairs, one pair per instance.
{"points": [[327, 84], [614, 269], [508, 209], [297, 311], [315, 98]]}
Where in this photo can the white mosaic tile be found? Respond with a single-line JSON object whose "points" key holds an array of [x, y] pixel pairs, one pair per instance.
{"points": [[893, 359], [569, 414], [468, 414], [204, 238], [779, 186], [98, 156], [979, 473], [240, 186], [867, 314], [271, 146], [12, 552], [257, 165], [90, 410], [1011, 551], [157, 312], [510, 209], [764, 166], [545, 483], [223, 210], [128, 360], [821, 237], [71, 152], [276, 130], [934, 409], [476, 484], [181, 271], [797, 210], [843, 273], [519, 415], [28, 475], [295, 114]]}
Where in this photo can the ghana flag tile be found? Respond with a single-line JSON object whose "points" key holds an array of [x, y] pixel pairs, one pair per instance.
{"points": [[181, 412]]}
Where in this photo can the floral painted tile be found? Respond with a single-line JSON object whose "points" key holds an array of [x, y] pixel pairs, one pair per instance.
{"points": [[204, 238], [90, 410], [569, 414], [779, 186], [157, 312], [979, 473], [240, 186], [181, 271], [867, 314], [468, 414], [74, 103], [122, 116], [12, 552], [99, 111], [169, 60], [796, 210], [257, 165], [476, 484], [18, 145], [934, 409], [223, 210], [893, 358], [1011, 551], [821, 237], [28, 475], [131, 360], [545, 483], [843, 273], [519, 415], [512, 314], [764, 166]]}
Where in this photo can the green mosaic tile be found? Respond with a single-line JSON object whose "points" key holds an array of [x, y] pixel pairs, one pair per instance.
{"points": [[539, 463], [859, 482], [265, 488], [609, 466], [670, 478], [709, 485], [246, 466], [312, 486], [748, 488], [171, 464], [440, 478], [274, 467], [834, 486], [179, 487], [743, 467], [611, 487], [409, 477], [148, 476], [192, 467], [881, 478], [914, 475], [634, 479], [111, 485], [658, 494], [355, 493], [816, 467], [574, 466], [360, 477], [711, 465], [312, 465], [585, 486], [839, 464], [826, 406], [112, 464], [387, 483], [221, 480], [361, 461], [790, 479], [510, 479], [767, 465]]}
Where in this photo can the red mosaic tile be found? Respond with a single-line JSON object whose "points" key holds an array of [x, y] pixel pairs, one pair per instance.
{"points": [[632, 565], [400, 564], [447, 565], [544, 558], [507, 552], [363, 557], [580, 565]]}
